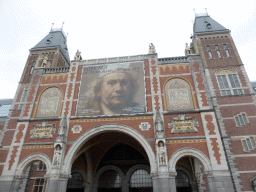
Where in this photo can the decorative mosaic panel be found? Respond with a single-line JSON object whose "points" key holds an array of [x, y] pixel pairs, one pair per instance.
{"points": [[183, 124], [42, 131], [49, 104], [178, 95]]}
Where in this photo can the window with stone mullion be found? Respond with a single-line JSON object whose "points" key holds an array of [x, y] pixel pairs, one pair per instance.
{"points": [[229, 83]]}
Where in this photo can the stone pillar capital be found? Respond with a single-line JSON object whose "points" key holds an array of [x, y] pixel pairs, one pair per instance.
{"points": [[19, 177], [208, 173]]}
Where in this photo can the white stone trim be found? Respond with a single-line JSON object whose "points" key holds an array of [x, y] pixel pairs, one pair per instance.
{"points": [[24, 164]]}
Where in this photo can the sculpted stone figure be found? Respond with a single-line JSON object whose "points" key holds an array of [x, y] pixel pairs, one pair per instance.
{"points": [[78, 56], [152, 49], [57, 154], [44, 62]]}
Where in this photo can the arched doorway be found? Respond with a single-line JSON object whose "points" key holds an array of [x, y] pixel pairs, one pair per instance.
{"points": [[188, 171], [112, 149]]}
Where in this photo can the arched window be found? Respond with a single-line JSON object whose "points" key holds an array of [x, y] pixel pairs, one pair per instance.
{"points": [[178, 95], [142, 180], [75, 182], [49, 104], [109, 179]]}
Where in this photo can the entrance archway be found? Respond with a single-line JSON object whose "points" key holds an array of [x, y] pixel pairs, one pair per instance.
{"points": [[74, 152], [112, 148]]}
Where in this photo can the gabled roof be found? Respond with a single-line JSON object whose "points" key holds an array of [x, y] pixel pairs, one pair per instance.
{"points": [[205, 24], [56, 38]]}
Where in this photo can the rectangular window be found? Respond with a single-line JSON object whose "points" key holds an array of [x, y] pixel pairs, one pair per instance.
{"points": [[217, 47], [31, 70], [226, 49], [219, 55], [249, 144], [209, 51], [24, 95], [38, 185], [230, 84], [241, 120]]}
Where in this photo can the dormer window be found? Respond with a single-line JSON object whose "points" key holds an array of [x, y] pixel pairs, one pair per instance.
{"points": [[208, 26], [48, 41]]}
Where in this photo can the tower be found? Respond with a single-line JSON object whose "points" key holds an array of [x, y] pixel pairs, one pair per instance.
{"points": [[232, 95]]}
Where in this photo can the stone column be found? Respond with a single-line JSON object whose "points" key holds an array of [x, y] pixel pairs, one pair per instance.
{"points": [[57, 183], [211, 182], [164, 181], [16, 183], [89, 176], [125, 184]]}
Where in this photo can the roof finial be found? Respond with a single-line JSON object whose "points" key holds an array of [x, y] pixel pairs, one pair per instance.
{"points": [[62, 24], [206, 11], [52, 25], [194, 11]]}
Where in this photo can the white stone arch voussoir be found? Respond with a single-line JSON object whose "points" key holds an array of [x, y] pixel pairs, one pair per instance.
{"points": [[104, 128], [25, 163], [189, 152]]}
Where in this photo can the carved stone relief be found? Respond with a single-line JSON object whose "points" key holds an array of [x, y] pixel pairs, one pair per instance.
{"points": [[42, 131], [49, 103], [183, 124], [178, 95]]}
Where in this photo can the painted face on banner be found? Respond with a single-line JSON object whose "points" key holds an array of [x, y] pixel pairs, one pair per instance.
{"points": [[115, 89]]}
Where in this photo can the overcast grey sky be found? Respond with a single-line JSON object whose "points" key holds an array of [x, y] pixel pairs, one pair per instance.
{"points": [[100, 28]]}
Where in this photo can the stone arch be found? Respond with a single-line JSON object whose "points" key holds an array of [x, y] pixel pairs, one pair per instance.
{"points": [[103, 128], [24, 164], [189, 152], [178, 94]]}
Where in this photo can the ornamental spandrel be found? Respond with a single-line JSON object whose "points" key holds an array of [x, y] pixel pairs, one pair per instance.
{"points": [[43, 131], [183, 124]]}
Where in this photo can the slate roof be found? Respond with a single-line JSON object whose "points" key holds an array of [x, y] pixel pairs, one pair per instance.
{"points": [[55, 38], [205, 24]]}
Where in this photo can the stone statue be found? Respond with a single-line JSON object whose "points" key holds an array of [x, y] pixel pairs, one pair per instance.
{"points": [[44, 62], [162, 158], [57, 154], [152, 49], [78, 56]]}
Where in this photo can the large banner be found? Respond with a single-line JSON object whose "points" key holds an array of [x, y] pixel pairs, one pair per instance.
{"points": [[112, 89]]}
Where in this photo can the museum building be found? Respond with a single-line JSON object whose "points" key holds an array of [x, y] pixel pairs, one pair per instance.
{"points": [[133, 123]]}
